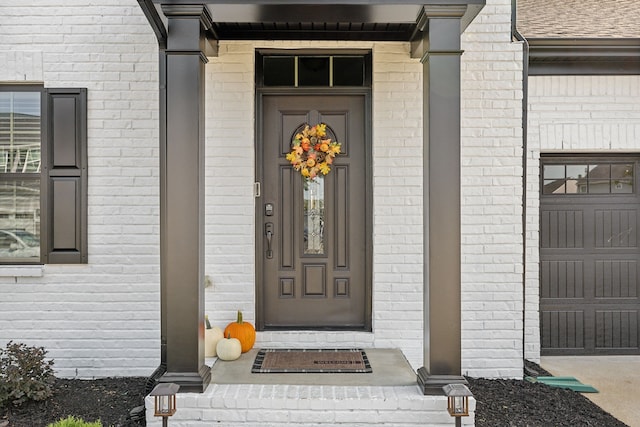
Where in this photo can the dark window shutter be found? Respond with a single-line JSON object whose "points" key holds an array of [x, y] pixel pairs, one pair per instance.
{"points": [[64, 176]]}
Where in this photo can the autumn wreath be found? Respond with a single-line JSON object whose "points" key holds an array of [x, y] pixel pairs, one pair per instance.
{"points": [[312, 152]]}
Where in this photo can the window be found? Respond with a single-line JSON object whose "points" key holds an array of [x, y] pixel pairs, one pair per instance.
{"points": [[20, 164], [597, 177], [313, 70], [42, 175]]}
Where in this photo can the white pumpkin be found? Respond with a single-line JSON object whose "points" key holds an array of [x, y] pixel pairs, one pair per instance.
{"points": [[211, 338], [229, 349]]}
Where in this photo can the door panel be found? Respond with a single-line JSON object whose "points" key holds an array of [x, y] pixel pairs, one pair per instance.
{"points": [[314, 263]]}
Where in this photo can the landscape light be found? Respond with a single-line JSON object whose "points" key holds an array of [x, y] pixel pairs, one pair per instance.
{"points": [[164, 401], [457, 400]]}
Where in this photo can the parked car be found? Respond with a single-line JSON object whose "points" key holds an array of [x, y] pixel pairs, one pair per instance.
{"points": [[19, 244]]}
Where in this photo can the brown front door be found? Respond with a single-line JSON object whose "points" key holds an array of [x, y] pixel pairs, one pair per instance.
{"points": [[312, 235]]}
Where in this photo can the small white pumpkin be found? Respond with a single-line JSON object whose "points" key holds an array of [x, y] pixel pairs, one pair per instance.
{"points": [[229, 348], [211, 338]]}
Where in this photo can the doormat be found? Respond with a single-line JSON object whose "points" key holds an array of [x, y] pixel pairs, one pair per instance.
{"points": [[311, 361]]}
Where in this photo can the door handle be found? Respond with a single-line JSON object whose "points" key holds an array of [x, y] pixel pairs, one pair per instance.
{"points": [[268, 231]]}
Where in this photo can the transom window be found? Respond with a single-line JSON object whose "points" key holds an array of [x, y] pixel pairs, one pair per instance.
{"points": [[313, 70], [599, 177]]}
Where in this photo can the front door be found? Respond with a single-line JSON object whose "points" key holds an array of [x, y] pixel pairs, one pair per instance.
{"points": [[312, 235]]}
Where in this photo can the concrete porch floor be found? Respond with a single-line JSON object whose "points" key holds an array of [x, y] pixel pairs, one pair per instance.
{"points": [[389, 366], [617, 379], [389, 396]]}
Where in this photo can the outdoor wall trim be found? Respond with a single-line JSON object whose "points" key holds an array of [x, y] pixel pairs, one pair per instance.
{"points": [[464, 13], [198, 11], [208, 42], [202, 55], [442, 236], [428, 54], [551, 56], [182, 89]]}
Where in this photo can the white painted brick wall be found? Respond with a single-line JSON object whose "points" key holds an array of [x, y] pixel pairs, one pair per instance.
{"points": [[90, 316], [99, 319], [398, 210], [397, 170], [491, 196], [584, 113], [575, 114], [229, 165]]}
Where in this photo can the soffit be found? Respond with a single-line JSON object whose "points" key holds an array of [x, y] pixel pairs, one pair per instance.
{"points": [[374, 20], [298, 22]]}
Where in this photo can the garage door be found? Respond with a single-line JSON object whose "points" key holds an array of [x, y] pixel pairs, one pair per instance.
{"points": [[589, 257]]}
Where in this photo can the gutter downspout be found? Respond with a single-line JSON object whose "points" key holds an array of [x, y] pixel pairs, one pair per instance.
{"points": [[525, 101], [156, 23]]}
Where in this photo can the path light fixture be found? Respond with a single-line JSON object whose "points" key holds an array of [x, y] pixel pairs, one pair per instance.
{"points": [[164, 404], [457, 400]]}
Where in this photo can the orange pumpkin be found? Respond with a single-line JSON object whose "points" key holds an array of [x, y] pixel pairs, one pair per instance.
{"points": [[243, 331]]}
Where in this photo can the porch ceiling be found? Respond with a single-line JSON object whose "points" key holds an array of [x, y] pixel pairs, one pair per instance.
{"points": [[373, 20]]}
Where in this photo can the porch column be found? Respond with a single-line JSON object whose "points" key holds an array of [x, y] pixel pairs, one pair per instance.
{"points": [[441, 67], [182, 197]]}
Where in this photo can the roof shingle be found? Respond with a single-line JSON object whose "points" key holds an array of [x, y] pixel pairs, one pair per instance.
{"points": [[579, 18]]}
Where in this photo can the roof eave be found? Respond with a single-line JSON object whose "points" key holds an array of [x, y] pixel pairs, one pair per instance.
{"points": [[584, 56]]}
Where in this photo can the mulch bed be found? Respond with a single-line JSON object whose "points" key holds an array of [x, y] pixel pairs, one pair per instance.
{"points": [[521, 403], [109, 400], [525, 404], [499, 403]]}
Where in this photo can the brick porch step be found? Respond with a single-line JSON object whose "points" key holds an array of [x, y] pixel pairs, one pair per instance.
{"points": [[389, 396], [262, 405]]}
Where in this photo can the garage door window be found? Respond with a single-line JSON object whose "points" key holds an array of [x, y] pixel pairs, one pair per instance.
{"points": [[588, 178]]}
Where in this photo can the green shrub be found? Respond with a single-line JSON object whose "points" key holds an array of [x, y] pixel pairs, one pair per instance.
{"points": [[72, 421], [24, 374]]}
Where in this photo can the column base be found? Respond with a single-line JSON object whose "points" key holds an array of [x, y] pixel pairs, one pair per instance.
{"points": [[189, 382], [431, 385]]}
